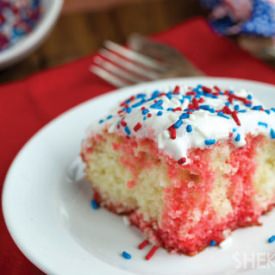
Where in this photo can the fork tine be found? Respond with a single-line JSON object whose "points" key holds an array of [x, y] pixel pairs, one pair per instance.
{"points": [[115, 70], [144, 72], [134, 56], [108, 77]]}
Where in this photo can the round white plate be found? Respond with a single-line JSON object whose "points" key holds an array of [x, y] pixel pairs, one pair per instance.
{"points": [[47, 206]]}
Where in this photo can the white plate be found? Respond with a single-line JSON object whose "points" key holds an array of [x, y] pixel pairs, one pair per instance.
{"points": [[49, 215]]}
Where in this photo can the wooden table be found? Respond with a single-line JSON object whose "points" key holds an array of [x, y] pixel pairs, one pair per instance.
{"points": [[81, 32]]}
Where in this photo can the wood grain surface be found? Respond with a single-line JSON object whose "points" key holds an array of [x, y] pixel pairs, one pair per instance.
{"points": [[81, 29]]}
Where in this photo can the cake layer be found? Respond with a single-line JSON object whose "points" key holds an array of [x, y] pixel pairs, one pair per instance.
{"points": [[183, 208]]}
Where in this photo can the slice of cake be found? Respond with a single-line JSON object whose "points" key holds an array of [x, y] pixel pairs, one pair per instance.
{"points": [[187, 166]]}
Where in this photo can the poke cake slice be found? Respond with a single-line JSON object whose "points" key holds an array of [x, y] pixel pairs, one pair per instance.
{"points": [[187, 165]]}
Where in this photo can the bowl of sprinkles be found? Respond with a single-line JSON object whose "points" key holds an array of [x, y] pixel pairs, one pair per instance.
{"points": [[23, 26]]}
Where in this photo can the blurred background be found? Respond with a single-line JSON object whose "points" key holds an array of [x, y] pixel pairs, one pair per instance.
{"points": [[84, 25]]}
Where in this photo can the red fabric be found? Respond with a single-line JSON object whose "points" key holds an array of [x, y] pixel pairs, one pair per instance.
{"points": [[27, 105]]}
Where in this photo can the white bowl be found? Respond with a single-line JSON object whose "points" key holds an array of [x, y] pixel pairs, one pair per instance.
{"points": [[51, 10]]}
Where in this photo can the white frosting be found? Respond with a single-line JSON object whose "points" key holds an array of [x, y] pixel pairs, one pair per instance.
{"points": [[205, 125]]}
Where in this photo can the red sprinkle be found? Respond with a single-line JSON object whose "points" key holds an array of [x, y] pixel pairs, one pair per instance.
{"points": [[242, 99], [151, 252], [201, 100], [137, 127], [143, 244], [217, 88], [226, 110], [123, 123], [132, 98], [235, 117], [172, 132], [206, 89], [191, 93], [123, 104], [195, 103], [177, 109], [176, 90], [149, 115], [181, 161]]}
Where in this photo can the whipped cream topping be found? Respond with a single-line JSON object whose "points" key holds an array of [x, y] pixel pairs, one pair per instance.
{"points": [[186, 117]]}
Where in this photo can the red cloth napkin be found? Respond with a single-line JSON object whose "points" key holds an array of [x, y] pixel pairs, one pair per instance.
{"points": [[27, 105]]}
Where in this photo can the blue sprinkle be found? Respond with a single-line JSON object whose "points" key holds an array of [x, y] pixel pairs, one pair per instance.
{"points": [[236, 107], [238, 138], [234, 130], [127, 130], [144, 118], [260, 123], [272, 133], [198, 89], [212, 243], [159, 113], [94, 204], [140, 95], [249, 97], [177, 124], [209, 95], [272, 109], [257, 107], [101, 121], [157, 105], [145, 111], [169, 95], [184, 116], [169, 109], [199, 86], [109, 117], [242, 111], [209, 141], [155, 94], [138, 104], [126, 255], [271, 239], [248, 104], [227, 104], [207, 108], [221, 114], [268, 112], [189, 128], [128, 110]]}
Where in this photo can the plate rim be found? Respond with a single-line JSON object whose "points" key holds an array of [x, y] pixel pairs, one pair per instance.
{"points": [[34, 259]]}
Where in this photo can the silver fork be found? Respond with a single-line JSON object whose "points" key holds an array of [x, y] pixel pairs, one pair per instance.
{"points": [[144, 60]]}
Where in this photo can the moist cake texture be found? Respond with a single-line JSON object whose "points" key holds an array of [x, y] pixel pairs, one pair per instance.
{"points": [[187, 165]]}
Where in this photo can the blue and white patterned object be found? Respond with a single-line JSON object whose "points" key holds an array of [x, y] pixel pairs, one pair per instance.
{"points": [[17, 19], [243, 16]]}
